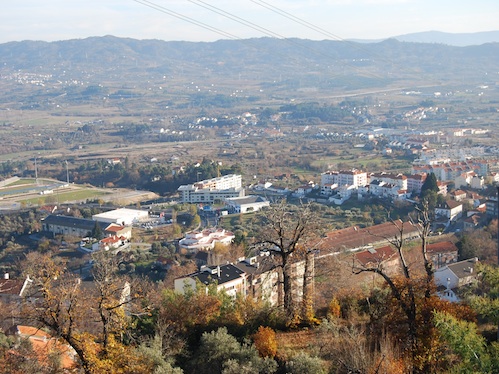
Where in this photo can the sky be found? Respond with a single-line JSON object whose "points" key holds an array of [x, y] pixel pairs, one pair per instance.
{"points": [[210, 20]]}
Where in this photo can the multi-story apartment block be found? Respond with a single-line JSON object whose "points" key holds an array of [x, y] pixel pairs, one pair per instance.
{"points": [[415, 182], [208, 191], [447, 171], [354, 177]]}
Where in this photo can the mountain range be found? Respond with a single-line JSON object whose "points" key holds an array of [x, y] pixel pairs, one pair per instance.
{"points": [[458, 39], [264, 64]]}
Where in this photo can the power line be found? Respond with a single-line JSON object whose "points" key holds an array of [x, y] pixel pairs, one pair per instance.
{"points": [[233, 17], [268, 32], [186, 18], [314, 27], [296, 19], [261, 29]]}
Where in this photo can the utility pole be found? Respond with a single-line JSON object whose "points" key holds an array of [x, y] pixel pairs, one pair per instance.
{"points": [[36, 173], [67, 171]]}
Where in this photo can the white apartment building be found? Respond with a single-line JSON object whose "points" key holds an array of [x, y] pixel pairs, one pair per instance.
{"points": [[210, 190], [415, 182], [354, 177], [399, 180]]}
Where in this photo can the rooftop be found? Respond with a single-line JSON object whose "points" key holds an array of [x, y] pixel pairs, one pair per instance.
{"points": [[465, 268], [441, 247], [219, 274], [375, 256]]}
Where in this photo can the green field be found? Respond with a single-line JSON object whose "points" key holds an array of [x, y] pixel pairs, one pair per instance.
{"points": [[64, 197]]}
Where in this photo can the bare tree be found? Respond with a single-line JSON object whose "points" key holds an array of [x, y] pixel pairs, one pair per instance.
{"points": [[406, 288], [285, 231]]}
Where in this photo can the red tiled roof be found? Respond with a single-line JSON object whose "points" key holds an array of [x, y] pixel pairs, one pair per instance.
{"points": [[355, 237], [44, 344], [375, 256], [115, 228], [441, 247], [10, 286]]}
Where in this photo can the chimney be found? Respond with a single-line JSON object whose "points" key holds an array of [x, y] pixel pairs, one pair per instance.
{"points": [[218, 271], [6, 276]]}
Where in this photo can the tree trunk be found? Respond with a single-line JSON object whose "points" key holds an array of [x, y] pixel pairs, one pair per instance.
{"points": [[287, 279], [308, 288]]}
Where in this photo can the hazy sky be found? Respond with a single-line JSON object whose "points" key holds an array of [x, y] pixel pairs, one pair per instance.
{"points": [[365, 19]]}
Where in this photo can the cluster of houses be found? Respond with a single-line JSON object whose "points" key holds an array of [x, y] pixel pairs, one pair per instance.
{"points": [[339, 186], [449, 273], [115, 226], [256, 277]]}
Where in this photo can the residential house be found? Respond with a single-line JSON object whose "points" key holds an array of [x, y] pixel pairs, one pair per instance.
{"points": [[262, 185], [12, 290], [124, 232], [458, 274], [45, 345], [343, 193], [472, 222], [442, 188], [114, 161], [195, 241], [107, 243], [384, 257], [228, 277], [452, 210], [491, 207], [477, 182], [262, 278], [442, 253], [329, 189], [303, 190], [464, 179], [458, 195], [257, 277], [399, 180]]}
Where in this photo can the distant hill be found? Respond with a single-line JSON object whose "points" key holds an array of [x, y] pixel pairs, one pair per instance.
{"points": [[458, 39], [88, 69]]}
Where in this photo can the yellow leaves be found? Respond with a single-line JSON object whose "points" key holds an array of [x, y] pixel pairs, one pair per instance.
{"points": [[265, 342], [334, 308], [117, 358]]}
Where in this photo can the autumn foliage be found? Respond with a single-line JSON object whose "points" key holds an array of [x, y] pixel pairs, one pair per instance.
{"points": [[265, 342]]}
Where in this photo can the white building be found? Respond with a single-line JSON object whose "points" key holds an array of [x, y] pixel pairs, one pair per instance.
{"points": [[210, 190], [354, 177], [195, 241], [452, 210], [228, 277], [415, 182], [122, 216], [247, 204], [399, 180], [457, 274]]}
